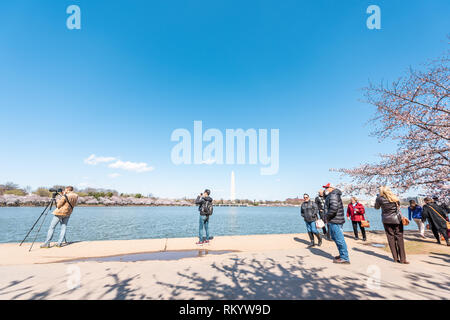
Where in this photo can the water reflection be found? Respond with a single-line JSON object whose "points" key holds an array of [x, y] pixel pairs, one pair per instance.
{"points": [[161, 255]]}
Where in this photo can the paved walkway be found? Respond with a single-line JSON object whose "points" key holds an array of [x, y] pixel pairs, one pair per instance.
{"points": [[267, 267]]}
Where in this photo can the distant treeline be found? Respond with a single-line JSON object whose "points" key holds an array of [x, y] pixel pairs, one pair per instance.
{"points": [[15, 189]]}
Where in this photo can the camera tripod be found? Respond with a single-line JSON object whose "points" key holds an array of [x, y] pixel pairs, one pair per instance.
{"points": [[44, 213]]}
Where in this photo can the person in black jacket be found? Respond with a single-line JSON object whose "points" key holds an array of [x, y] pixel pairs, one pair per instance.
{"points": [[334, 215], [392, 222], [320, 202], [436, 217], [441, 204], [204, 201], [310, 214]]}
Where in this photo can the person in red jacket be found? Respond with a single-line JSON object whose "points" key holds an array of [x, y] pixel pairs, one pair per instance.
{"points": [[355, 212]]}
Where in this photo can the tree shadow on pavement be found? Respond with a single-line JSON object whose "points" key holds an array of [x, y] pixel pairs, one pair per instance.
{"points": [[15, 287], [122, 288], [373, 253], [250, 278], [440, 256], [315, 250]]}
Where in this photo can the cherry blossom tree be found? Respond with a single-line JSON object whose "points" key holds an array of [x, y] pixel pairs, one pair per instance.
{"points": [[413, 111]]}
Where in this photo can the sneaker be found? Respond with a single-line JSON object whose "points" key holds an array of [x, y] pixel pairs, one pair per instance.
{"points": [[337, 257], [404, 262], [341, 261], [199, 242], [45, 246], [58, 245]]}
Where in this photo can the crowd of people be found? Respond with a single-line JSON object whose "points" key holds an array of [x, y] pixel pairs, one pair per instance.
{"points": [[325, 213], [328, 211]]}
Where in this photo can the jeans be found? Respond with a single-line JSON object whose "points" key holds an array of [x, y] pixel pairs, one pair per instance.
{"points": [[338, 237], [421, 226], [53, 224], [311, 227], [203, 222]]}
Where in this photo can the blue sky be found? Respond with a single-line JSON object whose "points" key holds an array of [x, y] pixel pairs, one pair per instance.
{"points": [[137, 70]]}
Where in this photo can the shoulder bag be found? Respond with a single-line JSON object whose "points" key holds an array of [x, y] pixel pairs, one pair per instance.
{"points": [[403, 220], [446, 222]]}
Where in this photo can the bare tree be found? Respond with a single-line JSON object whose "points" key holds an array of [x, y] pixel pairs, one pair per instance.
{"points": [[11, 186], [414, 111]]}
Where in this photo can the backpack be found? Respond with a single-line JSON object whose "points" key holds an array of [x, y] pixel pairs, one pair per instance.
{"points": [[207, 208]]}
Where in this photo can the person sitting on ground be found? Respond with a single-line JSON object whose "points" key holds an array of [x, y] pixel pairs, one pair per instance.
{"points": [[320, 202], [205, 207], [355, 212], [393, 226], [415, 212], [436, 219], [64, 208], [334, 215], [310, 214]]}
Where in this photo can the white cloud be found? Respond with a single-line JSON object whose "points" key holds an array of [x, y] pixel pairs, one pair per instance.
{"points": [[113, 175], [131, 166], [94, 160], [118, 164]]}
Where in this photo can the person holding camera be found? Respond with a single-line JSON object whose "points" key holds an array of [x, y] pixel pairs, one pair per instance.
{"points": [[64, 208], [205, 207]]}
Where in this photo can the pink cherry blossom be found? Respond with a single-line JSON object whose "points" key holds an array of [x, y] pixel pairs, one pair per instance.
{"points": [[413, 111]]}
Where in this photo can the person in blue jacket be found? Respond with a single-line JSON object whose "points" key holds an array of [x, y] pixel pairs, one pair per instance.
{"points": [[415, 212]]}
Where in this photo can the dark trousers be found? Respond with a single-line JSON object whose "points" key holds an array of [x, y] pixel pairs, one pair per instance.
{"points": [[324, 229], [437, 231], [394, 234], [355, 229]]}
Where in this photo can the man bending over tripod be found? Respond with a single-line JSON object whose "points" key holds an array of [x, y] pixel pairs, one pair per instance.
{"points": [[64, 208]]}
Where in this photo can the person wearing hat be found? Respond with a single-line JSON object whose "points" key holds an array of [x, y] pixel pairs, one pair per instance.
{"points": [[441, 204], [437, 220], [335, 216]]}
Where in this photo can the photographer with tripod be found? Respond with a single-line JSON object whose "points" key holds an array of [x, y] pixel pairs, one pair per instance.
{"points": [[64, 207]]}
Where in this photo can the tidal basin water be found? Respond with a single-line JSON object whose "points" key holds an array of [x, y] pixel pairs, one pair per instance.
{"points": [[114, 223]]}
